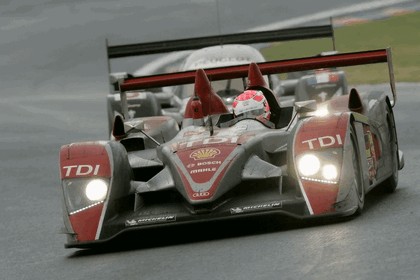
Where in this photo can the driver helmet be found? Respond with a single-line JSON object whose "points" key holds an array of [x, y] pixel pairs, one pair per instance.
{"points": [[251, 103]]}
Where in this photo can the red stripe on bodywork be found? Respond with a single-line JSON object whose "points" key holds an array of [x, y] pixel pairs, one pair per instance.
{"points": [[84, 160], [319, 134], [85, 223], [203, 169], [321, 196], [209, 193]]}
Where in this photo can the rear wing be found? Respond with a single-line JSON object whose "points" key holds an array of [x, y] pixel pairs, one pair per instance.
{"points": [[298, 33], [267, 68]]}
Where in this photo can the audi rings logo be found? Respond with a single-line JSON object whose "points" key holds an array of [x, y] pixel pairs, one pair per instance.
{"points": [[201, 194], [204, 153]]}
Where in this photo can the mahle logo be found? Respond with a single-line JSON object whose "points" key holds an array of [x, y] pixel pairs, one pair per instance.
{"points": [[204, 153]]}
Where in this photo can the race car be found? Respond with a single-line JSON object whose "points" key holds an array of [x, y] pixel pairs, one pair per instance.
{"points": [[321, 85], [307, 161], [190, 54]]}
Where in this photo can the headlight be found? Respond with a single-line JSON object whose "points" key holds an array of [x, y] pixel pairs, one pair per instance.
{"points": [[322, 167], [329, 172], [322, 111], [309, 165], [96, 190], [82, 193]]}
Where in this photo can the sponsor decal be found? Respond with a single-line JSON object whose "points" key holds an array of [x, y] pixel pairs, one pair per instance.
{"points": [[211, 61], [253, 208], [150, 220], [202, 170], [81, 170], [324, 141], [214, 162], [194, 133], [322, 78], [370, 154], [87, 159], [206, 141], [204, 163], [201, 194], [334, 78], [204, 153]]}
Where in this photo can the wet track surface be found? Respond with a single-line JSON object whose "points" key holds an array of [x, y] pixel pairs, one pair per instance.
{"points": [[53, 92]]}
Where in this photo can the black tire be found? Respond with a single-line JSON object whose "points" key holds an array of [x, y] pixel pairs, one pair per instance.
{"points": [[390, 184], [358, 178]]}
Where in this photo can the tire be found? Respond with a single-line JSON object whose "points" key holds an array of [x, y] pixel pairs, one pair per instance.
{"points": [[390, 184], [358, 178]]}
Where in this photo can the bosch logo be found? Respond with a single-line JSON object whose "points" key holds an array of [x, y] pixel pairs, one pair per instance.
{"points": [[216, 162], [201, 194]]}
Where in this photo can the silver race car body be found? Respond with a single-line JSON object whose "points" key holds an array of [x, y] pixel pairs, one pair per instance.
{"points": [[300, 164]]}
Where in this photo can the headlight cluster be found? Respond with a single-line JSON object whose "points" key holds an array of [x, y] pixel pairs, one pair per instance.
{"points": [[322, 111], [96, 190], [84, 193], [314, 168]]}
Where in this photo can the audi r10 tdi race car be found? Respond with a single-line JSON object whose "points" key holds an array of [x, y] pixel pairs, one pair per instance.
{"points": [[197, 53], [309, 160]]}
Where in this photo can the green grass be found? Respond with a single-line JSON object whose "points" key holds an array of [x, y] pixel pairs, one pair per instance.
{"points": [[401, 33]]}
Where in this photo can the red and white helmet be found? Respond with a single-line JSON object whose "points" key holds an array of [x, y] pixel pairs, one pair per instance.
{"points": [[251, 103]]}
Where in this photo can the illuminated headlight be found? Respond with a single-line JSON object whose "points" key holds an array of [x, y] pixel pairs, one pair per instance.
{"points": [[319, 167], [329, 172], [83, 193], [96, 190], [309, 165], [322, 111]]}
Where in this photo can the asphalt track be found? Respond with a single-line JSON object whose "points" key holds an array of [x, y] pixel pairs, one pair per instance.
{"points": [[53, 81]]}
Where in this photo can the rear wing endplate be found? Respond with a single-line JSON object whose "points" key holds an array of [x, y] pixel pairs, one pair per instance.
{"points": [[298, 33], [267, 68]]}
